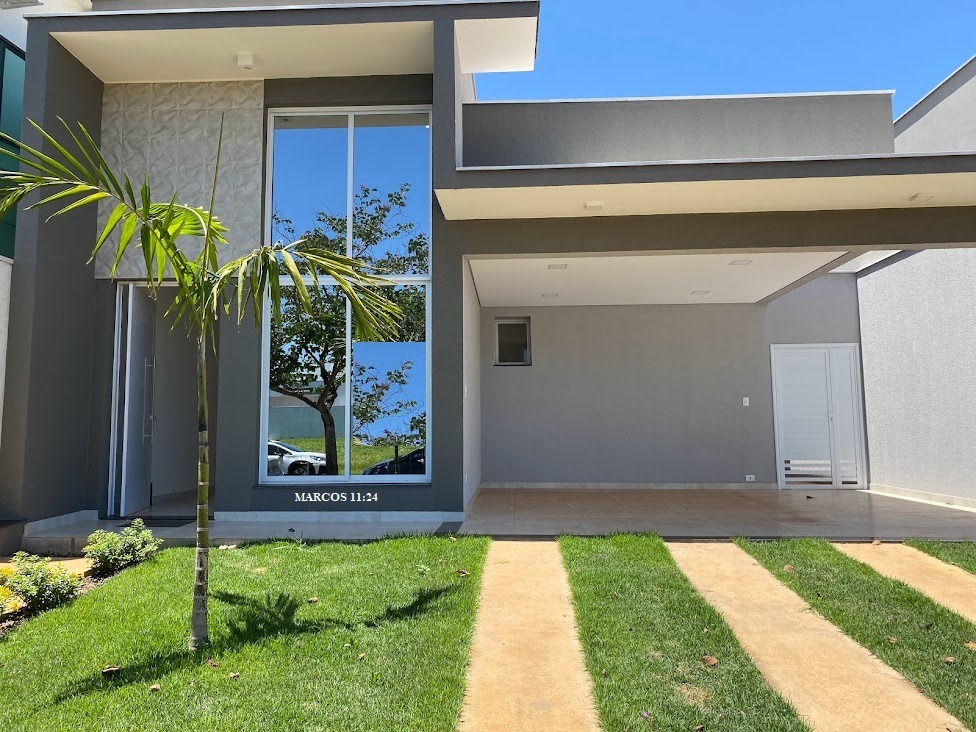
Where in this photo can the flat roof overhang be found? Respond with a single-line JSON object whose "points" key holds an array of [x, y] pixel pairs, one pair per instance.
{"points": [[300, 41], [895, 181]]}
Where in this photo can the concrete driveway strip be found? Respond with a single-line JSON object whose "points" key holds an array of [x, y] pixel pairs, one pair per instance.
{"points": [[526, 670], [949, 586], [834, 684]]}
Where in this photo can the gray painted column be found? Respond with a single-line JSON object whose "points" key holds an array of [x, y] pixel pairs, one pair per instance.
{"points": [[44, 454], [447, 383]]}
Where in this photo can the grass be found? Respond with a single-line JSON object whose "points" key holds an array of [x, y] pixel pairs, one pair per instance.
{"points": [[872, 609], [384, 648], [362, 457], [643, 630], [961, 554]]}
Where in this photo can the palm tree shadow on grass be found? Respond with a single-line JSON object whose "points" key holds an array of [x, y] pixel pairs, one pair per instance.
{"points": [[253, 620]]}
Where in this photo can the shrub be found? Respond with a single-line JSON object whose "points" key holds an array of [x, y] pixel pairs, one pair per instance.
{"points": [[7, 599], [109, 552], [40, 584]]}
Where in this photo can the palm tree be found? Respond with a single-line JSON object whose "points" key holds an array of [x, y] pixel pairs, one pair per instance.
{"points": [[205, 289]]}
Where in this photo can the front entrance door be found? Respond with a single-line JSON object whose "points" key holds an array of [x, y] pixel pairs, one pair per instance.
{"points": [[818, 419], [137, 410]]}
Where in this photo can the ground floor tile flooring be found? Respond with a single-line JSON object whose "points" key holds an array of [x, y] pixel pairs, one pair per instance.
{"points": [[838, 515]]}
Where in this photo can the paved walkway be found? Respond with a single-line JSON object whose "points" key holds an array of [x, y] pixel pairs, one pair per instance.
{"points": [[527, 670], [833, 683], [949, 586]]}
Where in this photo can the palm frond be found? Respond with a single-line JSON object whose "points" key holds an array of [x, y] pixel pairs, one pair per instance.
{"points": [[375, 317], [76, 174]]}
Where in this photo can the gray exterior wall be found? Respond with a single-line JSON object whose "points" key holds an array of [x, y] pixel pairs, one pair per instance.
{"points": [[548, 133], [918, 323], [945, 120], [111, 5], [53, 340], [649, 394]]}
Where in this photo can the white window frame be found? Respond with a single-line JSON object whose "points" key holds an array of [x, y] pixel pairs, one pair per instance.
{"points": [[527, 322], [423, 280]]}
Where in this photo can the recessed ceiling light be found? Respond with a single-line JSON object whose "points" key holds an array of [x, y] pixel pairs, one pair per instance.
{"points": [[558, 266], [700, 292], [921, 197], [550, 294], [593, 206], [740, 262]]}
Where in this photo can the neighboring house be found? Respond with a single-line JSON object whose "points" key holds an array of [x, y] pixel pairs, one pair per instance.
{"points": [[918, 329], [641, 292]]}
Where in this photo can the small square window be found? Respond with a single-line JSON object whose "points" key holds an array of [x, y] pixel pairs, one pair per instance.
{"points": [[512, 342]]}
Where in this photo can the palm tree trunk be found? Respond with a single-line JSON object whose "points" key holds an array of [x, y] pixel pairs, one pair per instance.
{"points": [[198, 626]]}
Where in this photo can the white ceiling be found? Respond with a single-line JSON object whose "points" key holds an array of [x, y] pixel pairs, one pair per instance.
{"points": [[716, 196], [284, 52], [865, 260], [641, 279], [280, 52], [497, 44]]}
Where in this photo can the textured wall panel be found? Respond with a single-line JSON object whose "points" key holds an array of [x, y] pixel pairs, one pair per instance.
{"points": [[170, 131]]}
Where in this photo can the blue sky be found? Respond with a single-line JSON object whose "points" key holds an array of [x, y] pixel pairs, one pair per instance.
{"points": [[611, 48]]}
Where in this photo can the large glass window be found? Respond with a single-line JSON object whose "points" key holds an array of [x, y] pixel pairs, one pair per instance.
{"points": [[336, 408]]}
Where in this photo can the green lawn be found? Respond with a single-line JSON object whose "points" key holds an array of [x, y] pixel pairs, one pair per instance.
{"points": [[962, 554], [873, 609], [363, 456], [643, 630], [384, 648]]}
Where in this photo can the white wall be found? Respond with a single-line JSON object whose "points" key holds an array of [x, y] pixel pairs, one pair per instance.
{"points": [[649, 394], [471, 343]]}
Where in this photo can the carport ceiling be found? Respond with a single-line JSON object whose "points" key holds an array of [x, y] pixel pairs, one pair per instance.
{"points": [[678, 279]]}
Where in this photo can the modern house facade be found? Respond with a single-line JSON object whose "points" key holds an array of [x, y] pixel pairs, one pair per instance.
{"points": [[634, 293]]}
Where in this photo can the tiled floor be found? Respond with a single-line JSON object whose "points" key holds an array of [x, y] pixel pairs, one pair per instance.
{"points": [[180, 505], [674, 514], [714, 514]]}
